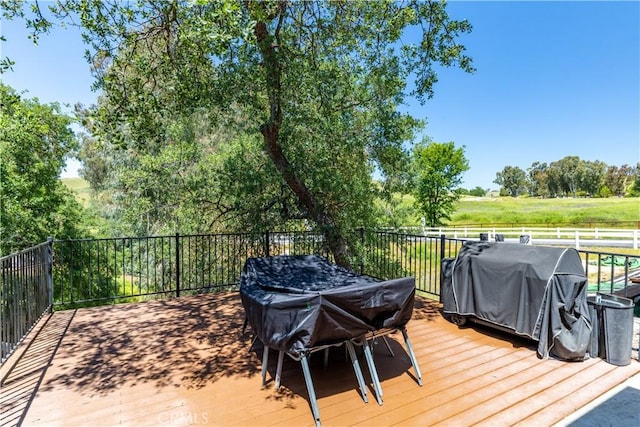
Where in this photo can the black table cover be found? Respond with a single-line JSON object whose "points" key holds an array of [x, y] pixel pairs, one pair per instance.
{"points": [[295, 303]]}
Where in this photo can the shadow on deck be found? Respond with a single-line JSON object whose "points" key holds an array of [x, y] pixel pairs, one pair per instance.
{"points": [[186, 362]]}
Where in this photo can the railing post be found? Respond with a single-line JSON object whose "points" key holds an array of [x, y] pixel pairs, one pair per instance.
{"points": [[49, 267], [362, 250], [177, 265], [635, 239], [577, 234], [442, 237], [266, 243]]}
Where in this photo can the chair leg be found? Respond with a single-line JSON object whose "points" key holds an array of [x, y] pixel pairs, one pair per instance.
{"points": [[412, 356], [358, 371], [372, 370], [312, 394], [386, 342], [279, 369], [265, 362], [253, 341]]}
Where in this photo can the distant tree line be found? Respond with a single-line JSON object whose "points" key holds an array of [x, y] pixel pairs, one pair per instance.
{"points": [[570, 177]]}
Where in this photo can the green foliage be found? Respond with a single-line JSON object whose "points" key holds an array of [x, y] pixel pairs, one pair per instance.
{"points": [[634, 189], [318, 90], [396, 211], [438, 169], [569, 176], [512, 181], [35, 140], [478, 192]]}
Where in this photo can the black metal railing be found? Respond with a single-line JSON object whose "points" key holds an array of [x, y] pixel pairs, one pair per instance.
{"points": [[609, 272], [25, 294], [87, 272], [94, 271], [390, 255], [128, 269]]}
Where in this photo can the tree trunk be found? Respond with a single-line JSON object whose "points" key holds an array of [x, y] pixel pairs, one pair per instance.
{"points": [[271, 133]]}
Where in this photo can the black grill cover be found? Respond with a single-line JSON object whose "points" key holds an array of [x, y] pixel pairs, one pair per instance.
{"points": [[294, 303], [539, 292]]}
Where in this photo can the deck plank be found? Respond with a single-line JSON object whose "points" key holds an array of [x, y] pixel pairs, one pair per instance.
{"points": [[185, 361]]}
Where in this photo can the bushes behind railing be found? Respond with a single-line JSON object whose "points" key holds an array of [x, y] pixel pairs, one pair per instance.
{"points": [[98, 271], [104, 271]]}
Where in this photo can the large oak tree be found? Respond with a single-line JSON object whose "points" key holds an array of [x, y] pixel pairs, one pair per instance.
{"points": [[319, 81]]}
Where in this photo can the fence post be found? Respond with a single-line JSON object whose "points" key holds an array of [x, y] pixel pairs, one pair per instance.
{"points": [[362, 251], [577, 233], [267, 252], [177, 265], [635, 239], [49, 267], [442, 237]]}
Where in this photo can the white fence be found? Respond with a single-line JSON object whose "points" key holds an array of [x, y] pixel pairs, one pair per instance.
{"points": [[562, 236]]}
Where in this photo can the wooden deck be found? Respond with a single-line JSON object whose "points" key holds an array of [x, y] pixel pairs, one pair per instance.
{"points": [[186, 362]]}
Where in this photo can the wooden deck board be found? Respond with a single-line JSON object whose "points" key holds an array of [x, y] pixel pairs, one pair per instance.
{"points": [[186, 362]]}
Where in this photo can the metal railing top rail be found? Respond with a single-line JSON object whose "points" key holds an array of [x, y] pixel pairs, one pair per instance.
{"points": [[26, 250]]}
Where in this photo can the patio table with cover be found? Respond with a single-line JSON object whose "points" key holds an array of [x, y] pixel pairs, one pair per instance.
{"points": [[302, 304]]}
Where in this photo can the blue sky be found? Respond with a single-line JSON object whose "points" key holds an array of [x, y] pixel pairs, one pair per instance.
{"points": [[553, 79]]}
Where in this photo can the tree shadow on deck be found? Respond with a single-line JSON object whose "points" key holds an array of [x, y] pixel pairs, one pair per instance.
{"points": [[426, 309], [185, 342], [26, 368]]}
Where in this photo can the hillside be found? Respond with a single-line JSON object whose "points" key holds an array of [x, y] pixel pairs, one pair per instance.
{"points": [[80, 187]]}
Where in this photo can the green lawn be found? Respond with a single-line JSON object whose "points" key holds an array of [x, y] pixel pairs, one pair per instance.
{"points": [[609, 212]]}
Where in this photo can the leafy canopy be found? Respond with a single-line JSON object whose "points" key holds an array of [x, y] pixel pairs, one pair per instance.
{"points": [[438, 170], [35, 140], [316, 85]]}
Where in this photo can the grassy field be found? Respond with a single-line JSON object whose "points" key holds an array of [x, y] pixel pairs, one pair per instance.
{"points": [[80, 187], [610, 212]]}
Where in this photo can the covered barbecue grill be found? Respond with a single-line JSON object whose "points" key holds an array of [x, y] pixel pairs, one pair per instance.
{"points": [[533, 291], [300, 304]]}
